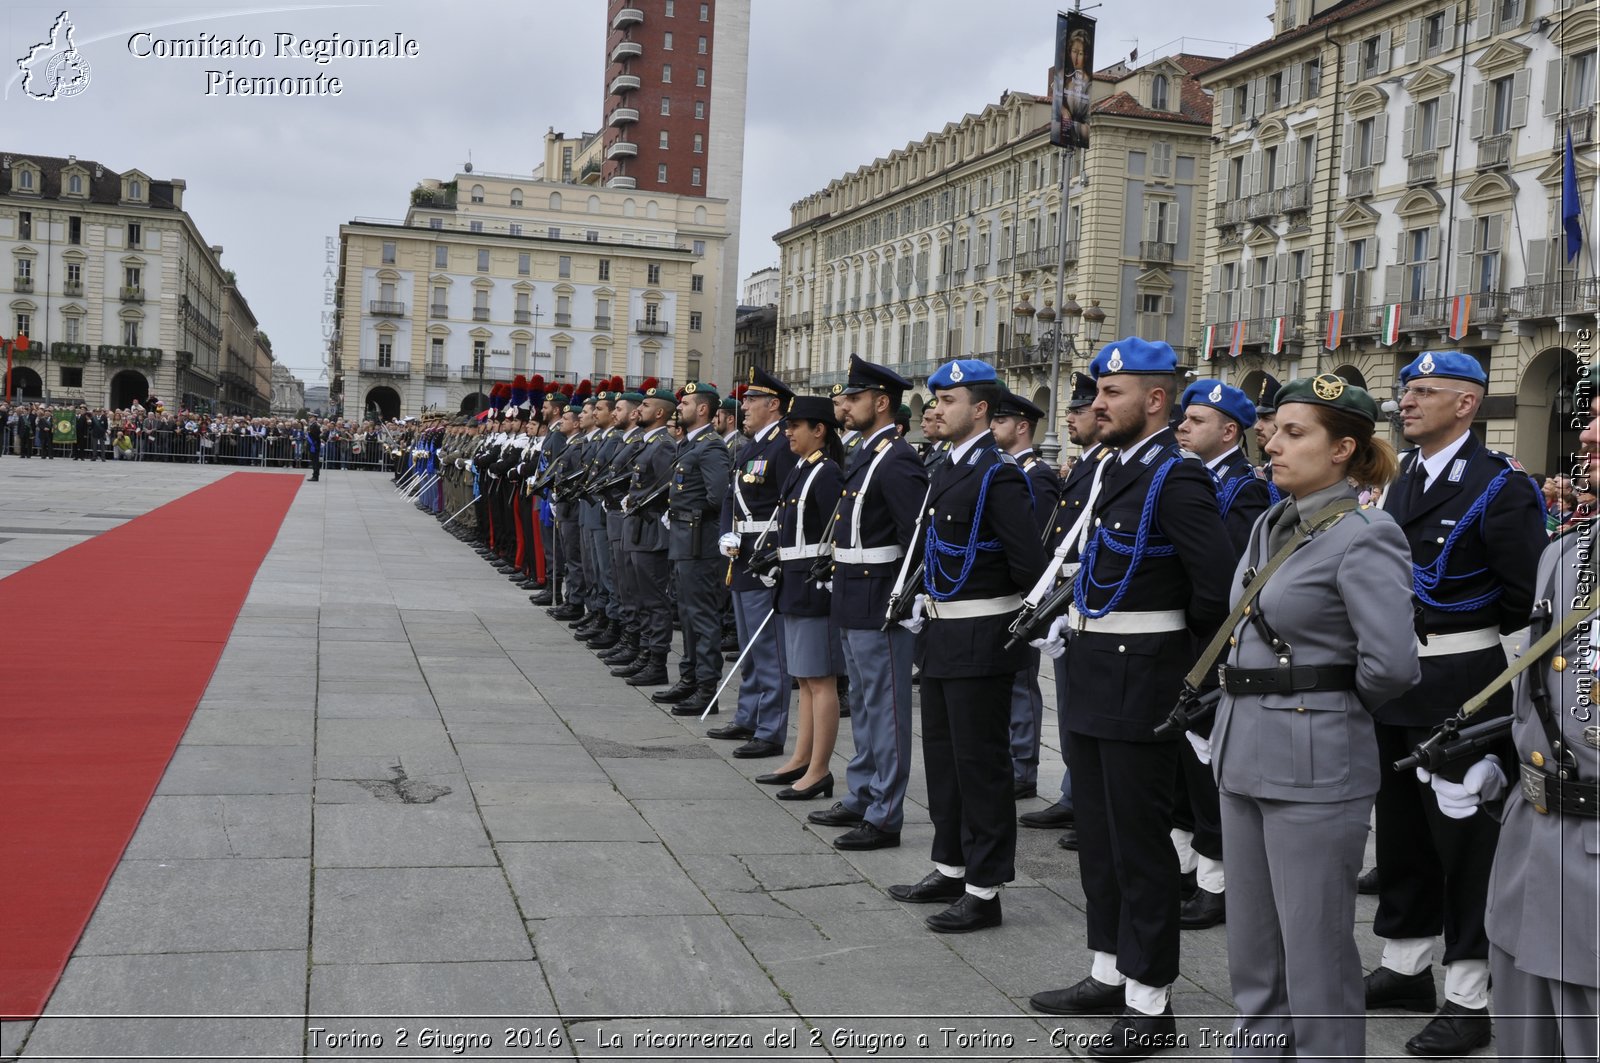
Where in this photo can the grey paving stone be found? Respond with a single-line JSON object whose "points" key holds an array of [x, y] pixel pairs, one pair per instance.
{"points": [[618, 878], [911, 977], [200, 906], [550, 764], [242, 727], [415, 915], [728, 826], [252, 826], [649, 965], [785, 872], [208, 983], [238, 770], [536, 732], [400, 835], [356, 737], [640, 778], [263, 689], [166, 1038], [412, 706], [12, 1035], [562, 815]]}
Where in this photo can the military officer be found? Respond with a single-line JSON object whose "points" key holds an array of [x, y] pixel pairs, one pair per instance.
{"points": [[938, 448], [1544, 889], [1153, 579], [758, 474], [644, 538], [1266, 401], [883, 489], [1215, 418], [1476, 527], [981, 553], [695, 500], [602, 443], [850, 437], [1015, 423], [612, 485], [1082, 432], [1323, 635]]}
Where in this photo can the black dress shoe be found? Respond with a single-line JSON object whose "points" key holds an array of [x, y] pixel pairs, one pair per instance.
{"points": [[866, 835], [837, 816], [1205, 909], [771, 778], [823, 787], [1052, 818], [1367, 883], [743, 733], [1088, 997], [1455, 1031], [1021, 791], [566, 613], [1068, 840], [544, 597], [1413, 992], [969, 913], [757, 748], [675, 693], [1136, 1035], [935, 887]]}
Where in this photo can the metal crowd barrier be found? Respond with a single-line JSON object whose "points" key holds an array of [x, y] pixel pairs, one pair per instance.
{"points": [[284, 452]]}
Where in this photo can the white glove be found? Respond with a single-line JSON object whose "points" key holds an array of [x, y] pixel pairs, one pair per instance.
{"points": [[1484, 781], [825, 585], [1054, 643], [914, 622], [768, 581], [729, 544], [665, 523], [1201, 746]]}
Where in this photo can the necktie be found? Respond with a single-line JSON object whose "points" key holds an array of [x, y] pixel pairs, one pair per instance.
{"points": [[1283, 527], [1419, 481]]}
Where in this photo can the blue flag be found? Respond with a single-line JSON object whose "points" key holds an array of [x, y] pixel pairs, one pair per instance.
{"points": [[1571, 207]]}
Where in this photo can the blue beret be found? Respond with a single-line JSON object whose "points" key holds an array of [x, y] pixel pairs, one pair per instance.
{"points": [[1225, 397], [1134, 355], [960, 373], [1452, 364]]}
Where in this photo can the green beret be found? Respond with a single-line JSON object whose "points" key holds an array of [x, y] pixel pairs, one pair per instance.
{"points": [[634, 397], [694, 387], [730, 405], [1329, 389], [557, 398], [903, 413], [662, 394]]}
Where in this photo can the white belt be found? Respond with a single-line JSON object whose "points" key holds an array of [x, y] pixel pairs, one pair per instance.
{"points": [[972, 607], [795, 553], [866, 555], [1155, 622], [754, 527], [1483, 638]]}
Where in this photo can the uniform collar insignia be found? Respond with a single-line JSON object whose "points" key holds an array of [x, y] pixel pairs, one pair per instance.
{"points": [[1149, 454]]}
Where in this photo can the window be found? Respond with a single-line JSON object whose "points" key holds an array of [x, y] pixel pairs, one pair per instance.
{"points": [[385, 351], [1500, 94], [560, 356], [1158, 93], [652, 273], [699, 144], [515, 229], [480, 355], [701, 48], [25, 269], [1422, 132], [25, 223], [1433, 34], [441, 297], [71, 376], [705, 12], [605, 269], [1311, 71], [1366, 133], [516, 196], [663, 141], [436, 350], [661, 173], [74, 230], [1416, 269], [436, 223], [591, 236], [1275, 90], [132, 275], [666, 73], [553, 232], [564, 266], [72, 328], [477, 193], [699, 109], [1368, 54], [652, 313], [25, 179], [694, 321], [135, 234], [75, 184], [694, 176], [671, 8], [24, 324], [699, 247], [1486, 241], [130, 333], [697, 283], [475, 226], [480, 304], [388, 253], [441, 257], [483, 260], [522, 307], [700, 77], [666, 42], [75, 273], [1161, 159], [1241, 102], [386, 292], [135, 189]]}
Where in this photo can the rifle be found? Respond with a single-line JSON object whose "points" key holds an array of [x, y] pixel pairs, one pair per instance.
{"points": [[1193, 708], [901, 604], [1036, 617], [1451, 742]]}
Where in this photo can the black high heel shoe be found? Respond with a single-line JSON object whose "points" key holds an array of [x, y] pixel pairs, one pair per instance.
{"points": [[823, 787], [781, 778]]}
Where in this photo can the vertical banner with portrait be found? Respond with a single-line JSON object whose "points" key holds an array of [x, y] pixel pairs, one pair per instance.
{"points": [[1069, 89]]}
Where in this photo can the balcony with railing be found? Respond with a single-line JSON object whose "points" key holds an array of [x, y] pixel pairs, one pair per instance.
{"points": [[438, 310], [623, 116], [1360, 182], [622, 181], [1157, 251], [122, 354], [1228, 212], [918, 368], [131, 294], [72, 288], [794, 378], [22, 284], [632, 381], [1261, 206], [471, 374], [650, 328], [622, 149], [1023, 356], [1295, 197], [1580, 123], [1496, 151], [626, 50], [436, 371], [563, 320], [1579, 295], [380, 367], [820, 380], [1422, 169], [61, 351], [805, 319], [480, 313], [602, 322], [624, 83], [386, 308], [628, 16]]}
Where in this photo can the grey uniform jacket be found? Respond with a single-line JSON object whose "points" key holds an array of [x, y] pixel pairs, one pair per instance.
{"points": [[699, 486], [1335, 603], [1545, 888]]}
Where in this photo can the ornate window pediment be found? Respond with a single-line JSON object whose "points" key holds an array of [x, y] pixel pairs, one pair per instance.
{"points": [[481, 334], [1154, 279], [382, 274], [1419, 202], [1369, 99], [440, 278], [1260, 235], [1502, 57], [1271, 130], [1356, 215], [1489, 188], [521, 334], [483, 284], [1429, 82]]}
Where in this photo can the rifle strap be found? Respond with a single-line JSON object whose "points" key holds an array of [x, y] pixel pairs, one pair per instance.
{"points": [[1541, 646], [1326, 518]]}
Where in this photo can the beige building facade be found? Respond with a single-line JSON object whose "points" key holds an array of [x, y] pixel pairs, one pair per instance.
{"points": [[490, 276], [1388, 181]]}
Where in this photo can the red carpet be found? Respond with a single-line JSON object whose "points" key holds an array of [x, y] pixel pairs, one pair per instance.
{"points": [[98, 684]]}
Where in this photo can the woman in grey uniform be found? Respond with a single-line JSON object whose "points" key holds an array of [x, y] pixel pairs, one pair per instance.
{"points": [[1328, 639]]}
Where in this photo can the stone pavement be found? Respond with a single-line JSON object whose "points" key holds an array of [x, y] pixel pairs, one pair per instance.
{"points": [[409, 797]]}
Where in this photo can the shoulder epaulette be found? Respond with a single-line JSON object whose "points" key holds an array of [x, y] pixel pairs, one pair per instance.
{"points": [[1510, 461], [1007, 458]]}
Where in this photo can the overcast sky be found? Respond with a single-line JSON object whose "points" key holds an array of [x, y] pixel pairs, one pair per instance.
{"points": [[833, 84]]}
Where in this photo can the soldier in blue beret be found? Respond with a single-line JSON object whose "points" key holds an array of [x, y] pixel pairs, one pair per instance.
{"points": [[1150, 587], [883, 487], [1475, 523], [981, 553]]}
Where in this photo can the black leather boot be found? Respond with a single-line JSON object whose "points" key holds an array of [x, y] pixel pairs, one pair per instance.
{"points": [[695, 704], [683, 688], [653, 674], [607, 637]]}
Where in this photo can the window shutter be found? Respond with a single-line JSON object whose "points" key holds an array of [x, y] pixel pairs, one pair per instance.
{"points": [[1295, 75], [1258, 96], [1227, 106], [1538, 258], [1408, 136], [1444, 123], [1466, 228], [1280, 290], [1352, 65], [1350, 141], [1211, 308], [1521, 81], [1413, 41], [1168, 305], [1291, 164], [1385, 50], [1340, 256], [1149, 221], [1493, 235], [1513, 12], [1174, 213], [1483, 25], [1448, 29], [1430, 279], [1393, 281], [1380, 138], [1480, 97]]}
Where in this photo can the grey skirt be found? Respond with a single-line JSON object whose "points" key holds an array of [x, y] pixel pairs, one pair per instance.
{"points": [[811, 647]]}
